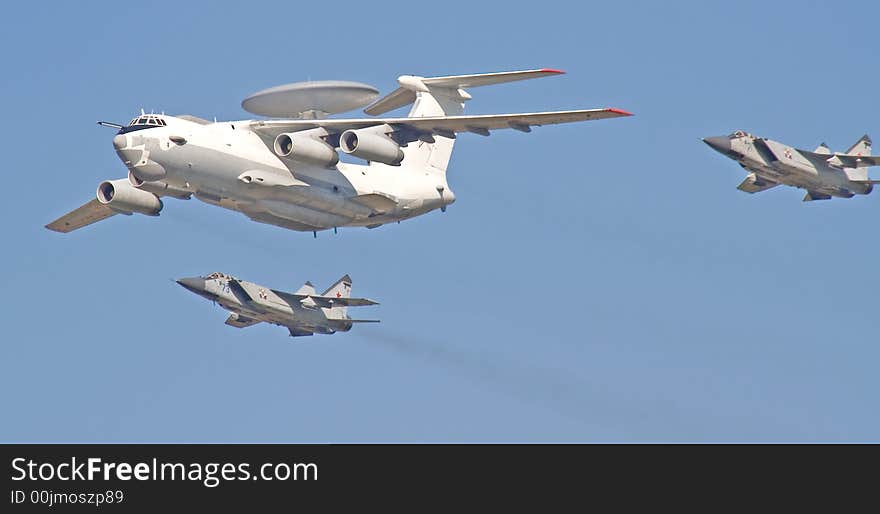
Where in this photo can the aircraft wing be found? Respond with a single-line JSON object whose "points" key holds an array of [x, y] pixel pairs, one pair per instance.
{"points": [[855, 161], [330, 301], [91, 212], [442, 125], [234, 320], [94, 211], [755, 184]]}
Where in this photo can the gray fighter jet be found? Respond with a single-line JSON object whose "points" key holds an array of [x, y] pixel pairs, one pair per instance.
{"points": [[821, 173], [304, 312]]}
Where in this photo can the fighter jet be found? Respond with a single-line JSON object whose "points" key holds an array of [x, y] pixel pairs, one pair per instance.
{"points": [[821, 173], [286, 171], [304, 312]]}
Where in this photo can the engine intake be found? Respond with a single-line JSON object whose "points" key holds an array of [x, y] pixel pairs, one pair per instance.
{"points": [[302, 148], [371, 146], [122, 197]]}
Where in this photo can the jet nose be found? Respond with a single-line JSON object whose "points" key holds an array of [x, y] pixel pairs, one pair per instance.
{"points": [[193, 284], [720, 144], [120, 141]]}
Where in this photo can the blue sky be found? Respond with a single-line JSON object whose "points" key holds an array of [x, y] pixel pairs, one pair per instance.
{"points": [[602, 281]]}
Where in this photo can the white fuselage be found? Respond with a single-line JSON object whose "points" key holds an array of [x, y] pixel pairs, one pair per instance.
{"points": [[229, 165]]}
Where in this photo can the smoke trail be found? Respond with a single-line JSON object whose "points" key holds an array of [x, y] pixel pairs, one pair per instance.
{"points": [[553, 389], [613, 412]]}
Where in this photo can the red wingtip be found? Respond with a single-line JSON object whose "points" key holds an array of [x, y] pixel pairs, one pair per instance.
{"points": [[551, 70], [620, 111]]}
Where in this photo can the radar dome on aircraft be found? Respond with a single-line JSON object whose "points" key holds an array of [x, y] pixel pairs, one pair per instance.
{"points": [[313, 99]]}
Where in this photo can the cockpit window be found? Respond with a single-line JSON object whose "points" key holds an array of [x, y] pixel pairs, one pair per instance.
{"points": [[150, 120], [216, 275], [738, 133]]}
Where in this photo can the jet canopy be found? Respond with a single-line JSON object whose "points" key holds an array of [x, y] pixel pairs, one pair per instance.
{"points": [[217, 275], [738, 134]]}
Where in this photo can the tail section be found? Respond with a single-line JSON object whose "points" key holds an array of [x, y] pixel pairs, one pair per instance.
{"points": [[857, 171], [862, 148], [440, 96], [411, 85], [307, 289], [341, 289]]}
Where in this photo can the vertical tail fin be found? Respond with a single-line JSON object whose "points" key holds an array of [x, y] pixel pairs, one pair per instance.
{"points": [[822, 149], [440, 96], [434, 156], [341, 289], [862, 147], [306, 289]]}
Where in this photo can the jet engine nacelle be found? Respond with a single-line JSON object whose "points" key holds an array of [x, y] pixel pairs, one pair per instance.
{"points": [[123, 197], [369, 145], [303, 148]]}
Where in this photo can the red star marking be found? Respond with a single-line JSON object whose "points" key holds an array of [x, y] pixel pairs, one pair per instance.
{"points": [[338, 294]]}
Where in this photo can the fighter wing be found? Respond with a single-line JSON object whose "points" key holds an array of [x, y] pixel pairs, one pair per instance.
{"points": [[330, 301], [234, 320], [91, 212], [755, 184], [854, 161], [443, 125]]}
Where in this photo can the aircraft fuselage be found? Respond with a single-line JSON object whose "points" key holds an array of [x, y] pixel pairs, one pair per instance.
{"points": [[255, 302], [782, 164], [229, 165]]}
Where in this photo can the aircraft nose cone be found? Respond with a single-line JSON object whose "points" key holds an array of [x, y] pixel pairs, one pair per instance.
{"points": [[193, 284], [718, 143], [120, 141]]}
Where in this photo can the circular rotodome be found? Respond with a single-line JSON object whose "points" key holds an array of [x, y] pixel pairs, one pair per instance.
{"points": [[313, 99]]}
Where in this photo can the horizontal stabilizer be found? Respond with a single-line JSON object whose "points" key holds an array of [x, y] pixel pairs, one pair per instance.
{"points": [[91, 212], [394, 100], [487, 79], [406, 95]]}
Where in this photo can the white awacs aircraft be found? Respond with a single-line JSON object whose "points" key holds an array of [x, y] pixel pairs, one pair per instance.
{"points": [[286, 172]]}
